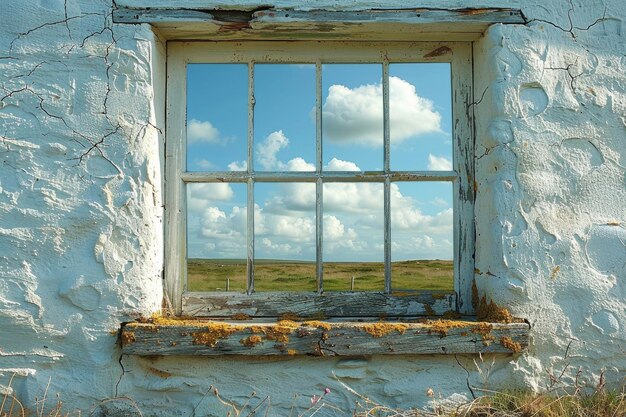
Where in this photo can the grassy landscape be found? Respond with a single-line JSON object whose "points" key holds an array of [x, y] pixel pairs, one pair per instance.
{"points": [[279, 275]]}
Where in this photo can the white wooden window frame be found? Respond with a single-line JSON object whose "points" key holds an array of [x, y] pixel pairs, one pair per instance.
{"points": [[320, 303]]}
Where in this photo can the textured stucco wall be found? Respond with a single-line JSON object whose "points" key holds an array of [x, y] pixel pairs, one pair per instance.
{"points": [[551, 203], [81, 212]]}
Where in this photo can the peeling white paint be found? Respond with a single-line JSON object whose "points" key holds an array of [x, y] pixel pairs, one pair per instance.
{"points": [[81, 230]]}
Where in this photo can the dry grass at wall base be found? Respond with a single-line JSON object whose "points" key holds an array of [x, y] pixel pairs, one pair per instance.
{"points": [[45, 406], [559, 400]]}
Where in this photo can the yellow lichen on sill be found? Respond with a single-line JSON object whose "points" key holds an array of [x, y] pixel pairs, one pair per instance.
{"points": [[444, 326], [508, 343], [279, 332], [383, 329], [127, 337], [251, 341], [482, 328], [214, 331], [491, 312], [319, 324], [309, 337]]}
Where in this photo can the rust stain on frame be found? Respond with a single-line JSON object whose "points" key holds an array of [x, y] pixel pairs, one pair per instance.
{"points": [[442, 50]]}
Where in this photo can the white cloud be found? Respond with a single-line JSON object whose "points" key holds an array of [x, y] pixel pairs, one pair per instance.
{"points": [[285, 219], [292, 197], [424, 242], [440, 202], [333, 228], [355, 116], [295, 228], [339, 165], [353, 226], [279, 248], [267, 150], [353, 197], [202, 195], [285, 235], [238, 166], [341, 242], [216, 223], [202, 132], [439, 163], [214, 233], [427, 247], [297, 164]]}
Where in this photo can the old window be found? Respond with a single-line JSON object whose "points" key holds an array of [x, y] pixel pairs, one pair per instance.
{"points": [[322, 179]]}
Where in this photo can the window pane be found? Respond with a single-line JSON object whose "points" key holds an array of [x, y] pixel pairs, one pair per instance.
{"points": [[217, 117], [352, 117], [284, 117], [422, 236], [284, 233], [420, 115], [353, 237], [216, 237]]}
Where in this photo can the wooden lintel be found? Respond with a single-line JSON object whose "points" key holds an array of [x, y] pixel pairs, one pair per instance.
{"points": [[179, 23], [423, 16], [307, 305], [416, 16], [317, 338]]}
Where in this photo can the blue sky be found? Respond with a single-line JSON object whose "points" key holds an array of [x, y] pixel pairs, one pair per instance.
{"points": [[284, 137]]}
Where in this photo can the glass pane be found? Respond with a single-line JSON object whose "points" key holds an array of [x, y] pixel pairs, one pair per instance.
{"points": [[216, 237], [217, 117], [352, 117], [421, 236], [353, 237], [420, 117], [284, 233], [284, 117]]}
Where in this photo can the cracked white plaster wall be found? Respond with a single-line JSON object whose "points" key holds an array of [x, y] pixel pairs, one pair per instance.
{"points": [[81, 105], [79, 159], [551, 185]]}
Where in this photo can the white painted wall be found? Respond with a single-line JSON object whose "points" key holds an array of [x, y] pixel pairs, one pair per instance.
{"points": [[81, 238]]}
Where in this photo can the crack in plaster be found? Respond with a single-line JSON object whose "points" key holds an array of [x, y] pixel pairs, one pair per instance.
{"points": [[571, 28]]}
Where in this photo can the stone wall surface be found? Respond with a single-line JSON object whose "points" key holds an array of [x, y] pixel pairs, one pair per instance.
{"points": [[81, 217]]}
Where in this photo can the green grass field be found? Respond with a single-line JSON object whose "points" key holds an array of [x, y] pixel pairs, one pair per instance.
{"points": [[278, 275]]}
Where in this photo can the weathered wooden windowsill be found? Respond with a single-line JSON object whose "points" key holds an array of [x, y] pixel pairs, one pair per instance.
{"points": [[321, 338]]}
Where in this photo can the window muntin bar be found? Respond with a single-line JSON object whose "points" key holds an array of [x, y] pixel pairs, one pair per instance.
{"points": [[319, 186], [387, 197], [250, 180]]}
